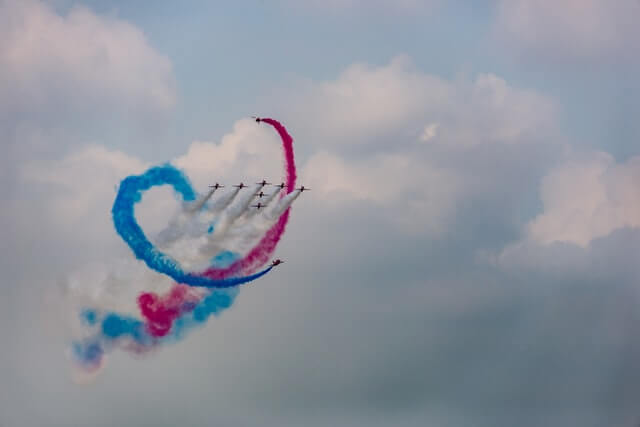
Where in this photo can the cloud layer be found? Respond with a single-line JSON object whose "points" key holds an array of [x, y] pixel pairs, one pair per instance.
{"points": [[587, 198], [456, 263], [80, 58]]}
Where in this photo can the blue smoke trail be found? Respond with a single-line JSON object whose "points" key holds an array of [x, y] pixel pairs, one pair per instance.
{"points": [[130, 193], [112, 329]]}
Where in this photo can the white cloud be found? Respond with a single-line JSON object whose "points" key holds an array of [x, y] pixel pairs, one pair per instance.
{"points": [[79, 189], [366, 102], [367, 125], [586, 198], [249, 152], [589, 229], [49, 61], [419, 195], [369, 306], [430, 131], [575, 29]]}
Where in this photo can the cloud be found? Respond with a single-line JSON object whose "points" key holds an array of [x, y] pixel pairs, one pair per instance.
{"points": [[586, 198], [364, 137], [389, 326], [430, 131], [609, 259], [582, 30], [419, 201], [66, 80], [81, 186], [249, 151], [589, 227], [397, 100], [77, 60]]}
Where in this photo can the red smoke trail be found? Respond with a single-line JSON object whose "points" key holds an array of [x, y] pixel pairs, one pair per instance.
{"points": [[261, 253], [160, 312]]}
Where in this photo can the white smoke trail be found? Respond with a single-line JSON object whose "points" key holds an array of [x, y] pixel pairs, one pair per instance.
{"points": [[244, 236], [264, 203], [224, 201], [193, 207], [180, 222], [232, 213], [281, 206]]}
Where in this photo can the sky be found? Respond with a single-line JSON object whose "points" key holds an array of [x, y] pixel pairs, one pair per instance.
{"points": [[468, 255]]}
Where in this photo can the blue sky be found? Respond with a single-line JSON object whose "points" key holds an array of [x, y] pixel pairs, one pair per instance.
{"points": [[468, 254]]}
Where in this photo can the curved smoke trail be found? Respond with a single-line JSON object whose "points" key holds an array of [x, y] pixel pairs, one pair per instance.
{"points": [[264, 249], [130, 193], [196, 295]]}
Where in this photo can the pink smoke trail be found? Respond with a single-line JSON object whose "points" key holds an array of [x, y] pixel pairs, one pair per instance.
{"points": [[161, 311], [261, 253]]}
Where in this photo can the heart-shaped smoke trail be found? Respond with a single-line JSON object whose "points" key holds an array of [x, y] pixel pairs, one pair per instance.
{"points": [[130, 193], [196, 295]]}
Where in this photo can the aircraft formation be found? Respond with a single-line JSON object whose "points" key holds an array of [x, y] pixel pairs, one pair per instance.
{"points": [[261, 184]]}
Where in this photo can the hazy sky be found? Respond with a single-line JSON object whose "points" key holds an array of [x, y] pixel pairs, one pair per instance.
{"points": [[469, 253]]}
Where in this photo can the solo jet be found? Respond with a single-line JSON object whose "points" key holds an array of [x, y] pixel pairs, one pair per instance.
{"points": [[258, 119], [276, 262]]}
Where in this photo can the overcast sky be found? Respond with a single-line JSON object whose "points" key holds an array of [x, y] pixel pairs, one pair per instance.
{"points": [[469, 253]]}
